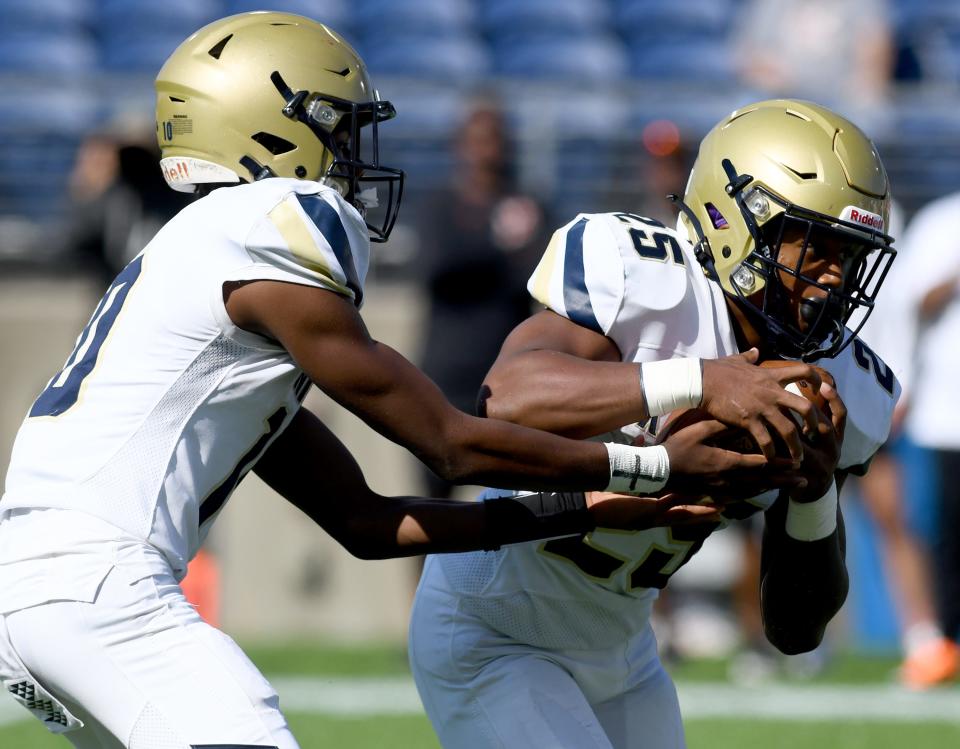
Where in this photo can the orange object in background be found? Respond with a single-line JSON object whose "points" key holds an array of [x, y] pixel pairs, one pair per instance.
{"points": [[201, 586]]}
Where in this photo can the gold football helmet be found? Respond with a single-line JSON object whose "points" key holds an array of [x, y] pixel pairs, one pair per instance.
{"points": [[779, 164], [266, 94]]}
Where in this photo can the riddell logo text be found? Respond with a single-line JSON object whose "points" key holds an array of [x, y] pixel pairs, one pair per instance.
{"points": [[178, 172], [866, 219]]}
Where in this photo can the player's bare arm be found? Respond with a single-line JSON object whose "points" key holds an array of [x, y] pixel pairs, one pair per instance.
{"points": [[313, 470], [803, 574], [556, 375], [325, 335]]}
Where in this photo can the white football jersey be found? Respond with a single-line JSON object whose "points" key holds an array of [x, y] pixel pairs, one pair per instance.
{"points": [[638, 283], [164, 404]]}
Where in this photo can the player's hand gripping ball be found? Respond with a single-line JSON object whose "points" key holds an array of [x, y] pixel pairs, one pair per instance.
{"points": [[739, 440]]}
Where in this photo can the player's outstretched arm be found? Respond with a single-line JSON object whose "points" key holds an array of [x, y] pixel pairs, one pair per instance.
{"points": [[803, 572], [555, 375], [313, 470], [325, 335]]}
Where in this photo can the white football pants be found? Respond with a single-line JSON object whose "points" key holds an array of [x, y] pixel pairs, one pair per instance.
{"points": [[134, 666], [482, 690]]}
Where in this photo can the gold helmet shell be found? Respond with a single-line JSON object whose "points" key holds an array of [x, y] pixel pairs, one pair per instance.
{"points": [[268, 94], [779, 160], [801, 152]]}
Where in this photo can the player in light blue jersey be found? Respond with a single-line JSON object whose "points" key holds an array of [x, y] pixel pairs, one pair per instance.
{"points": [[190, 374], [780, 239]]}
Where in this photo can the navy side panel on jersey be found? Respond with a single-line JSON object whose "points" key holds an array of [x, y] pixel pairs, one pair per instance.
{"points": [[63, 390]]}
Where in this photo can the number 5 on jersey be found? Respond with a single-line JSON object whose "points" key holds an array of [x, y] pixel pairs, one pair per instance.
{"points": [[63, 391]]}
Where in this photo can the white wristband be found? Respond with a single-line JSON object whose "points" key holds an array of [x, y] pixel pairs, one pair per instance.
{"points": [[670, 384], [811, 521], [637, 470]]}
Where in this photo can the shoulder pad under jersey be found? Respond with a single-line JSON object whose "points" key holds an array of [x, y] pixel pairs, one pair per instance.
{"points": [[313, 235], [870, 391], [613, 273]]}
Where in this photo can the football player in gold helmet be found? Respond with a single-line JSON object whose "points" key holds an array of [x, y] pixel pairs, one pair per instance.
{"points": [[781, 238], [779, 175]]}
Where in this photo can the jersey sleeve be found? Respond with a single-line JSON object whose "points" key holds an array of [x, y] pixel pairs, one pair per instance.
{"points": [[580, 276], [870, 391], [311, 239], [629, 278]]}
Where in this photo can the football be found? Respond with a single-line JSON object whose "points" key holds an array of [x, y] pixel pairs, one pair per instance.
{"points": [[739, 440]]}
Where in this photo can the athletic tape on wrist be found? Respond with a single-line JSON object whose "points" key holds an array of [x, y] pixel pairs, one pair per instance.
{"points": [[671, 384], [811, 521], [637, 470]]}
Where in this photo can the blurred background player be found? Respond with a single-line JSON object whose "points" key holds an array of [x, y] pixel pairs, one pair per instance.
{"points": [[780, 241], [932, 299]]}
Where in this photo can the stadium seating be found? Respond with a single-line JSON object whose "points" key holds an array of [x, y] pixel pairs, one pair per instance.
{"points": [[578, 59], [44, 15], [500, 19], [703, 19], [141, 16], [452, 59], [334, 13], [47, 53]]}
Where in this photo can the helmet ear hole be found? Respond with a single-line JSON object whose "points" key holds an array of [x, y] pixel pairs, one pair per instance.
{"points": [[300, 171], [726, 251]]}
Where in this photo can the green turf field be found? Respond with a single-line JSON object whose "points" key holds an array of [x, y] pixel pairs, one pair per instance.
{"points": [[363, 699]]}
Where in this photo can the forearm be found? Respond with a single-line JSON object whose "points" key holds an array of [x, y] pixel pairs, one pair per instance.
{"points": [[389, 527], [379, 527], [410, 410], [803, 583], [310, 468], [564, 394], [495, 453]]}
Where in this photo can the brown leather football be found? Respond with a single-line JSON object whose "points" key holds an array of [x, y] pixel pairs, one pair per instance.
{"points": [[739, 440]]}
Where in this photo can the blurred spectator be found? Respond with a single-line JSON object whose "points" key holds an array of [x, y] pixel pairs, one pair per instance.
{"points": [[931, 284], [836, 52], [887, 495], [118, 199], [480, 239]]}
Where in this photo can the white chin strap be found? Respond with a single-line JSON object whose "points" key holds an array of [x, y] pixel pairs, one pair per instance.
{"points": [[184, 173]]}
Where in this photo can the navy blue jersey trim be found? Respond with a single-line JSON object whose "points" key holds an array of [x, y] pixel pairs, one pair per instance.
{"points": [[218, 497], [576, 298], [328, 222]]}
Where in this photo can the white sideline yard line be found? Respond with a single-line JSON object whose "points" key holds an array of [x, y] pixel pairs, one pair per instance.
{"points": [[366, 697]]}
